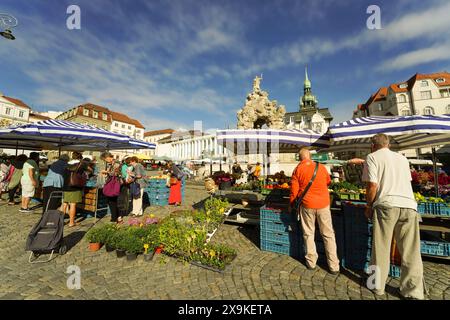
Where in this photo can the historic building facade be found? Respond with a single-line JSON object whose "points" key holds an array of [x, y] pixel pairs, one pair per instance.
{"points": [[422, 94], [154, 137], [13, 111], [309, 115]]}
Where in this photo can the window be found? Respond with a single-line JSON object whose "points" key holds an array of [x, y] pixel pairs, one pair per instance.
{"points": [[105, 116], [129, 127], [95, 114], [402, 98], [403, 86], [116, 124], [8, 111], [86, 112], [379, 107], [447, 109], [445, 93], [428, 111], [425, 94], [440, 80], [424, 83], [406, 112], [123, 126], [291, 119], [21, 113]]}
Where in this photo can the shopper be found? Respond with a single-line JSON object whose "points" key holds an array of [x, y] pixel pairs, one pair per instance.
{"points": [[236, 171], [112, 170], [140, 177], [54, 182], [75, 177], [5, 175], [14, 183], [392, 207], [29, 181], [315, 205], [175, 195]]}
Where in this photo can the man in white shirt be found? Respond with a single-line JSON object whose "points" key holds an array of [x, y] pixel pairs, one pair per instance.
{"points": [[391, 205]]}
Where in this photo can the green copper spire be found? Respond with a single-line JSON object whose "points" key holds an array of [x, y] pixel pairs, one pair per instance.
{"points": [[307, 83]]}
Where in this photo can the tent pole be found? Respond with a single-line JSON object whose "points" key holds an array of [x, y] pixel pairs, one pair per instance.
{"points": [[17, 147], [435, 172]]}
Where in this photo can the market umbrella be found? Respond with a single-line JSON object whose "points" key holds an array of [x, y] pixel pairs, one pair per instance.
{"points": [[66, 135], [406, 132], [267, 141]]}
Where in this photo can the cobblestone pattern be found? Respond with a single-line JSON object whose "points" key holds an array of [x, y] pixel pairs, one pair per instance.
{"points": [[254, 274]]}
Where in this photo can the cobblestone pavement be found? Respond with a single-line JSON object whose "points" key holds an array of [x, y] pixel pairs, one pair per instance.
{"points": [[254, 274]]}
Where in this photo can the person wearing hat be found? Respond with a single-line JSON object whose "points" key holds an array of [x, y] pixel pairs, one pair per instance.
{"points": [[54, 181]]}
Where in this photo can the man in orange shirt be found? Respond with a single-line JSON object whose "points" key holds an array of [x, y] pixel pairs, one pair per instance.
{"points": [[315, 205]]}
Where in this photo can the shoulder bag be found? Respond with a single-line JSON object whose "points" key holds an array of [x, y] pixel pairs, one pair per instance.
{"points": [[298, 201]]}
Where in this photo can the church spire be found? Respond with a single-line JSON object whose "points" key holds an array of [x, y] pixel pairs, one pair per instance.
{"points": [[307, 83]]}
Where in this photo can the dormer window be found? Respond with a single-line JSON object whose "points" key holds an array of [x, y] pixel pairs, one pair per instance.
{"points": [[403, 86], [440, 80]]}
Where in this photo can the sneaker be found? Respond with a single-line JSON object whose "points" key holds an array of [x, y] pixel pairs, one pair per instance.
{"points": [[27, 210], [310, 268], [377, 292]]}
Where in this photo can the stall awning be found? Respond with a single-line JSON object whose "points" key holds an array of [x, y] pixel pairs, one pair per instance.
{"points": [[254, 141], [406, 132], [66, 135]]}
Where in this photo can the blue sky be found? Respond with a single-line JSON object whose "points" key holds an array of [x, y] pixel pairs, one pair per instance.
{"points": [[169, 63]]}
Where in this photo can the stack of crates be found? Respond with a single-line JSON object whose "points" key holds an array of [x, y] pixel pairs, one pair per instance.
{"points": [[158, 192], [280, 231], [358, 239]]}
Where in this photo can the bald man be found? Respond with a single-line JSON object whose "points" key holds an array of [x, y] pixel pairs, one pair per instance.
{"points": [[315, 206]]}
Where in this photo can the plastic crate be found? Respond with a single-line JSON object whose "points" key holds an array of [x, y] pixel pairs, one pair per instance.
{"points": [[278, 226], [292, 250], [394, 271], [277, 215], [280, 237], [435, 248], [440, 209], [422, 208], [265, 192]]}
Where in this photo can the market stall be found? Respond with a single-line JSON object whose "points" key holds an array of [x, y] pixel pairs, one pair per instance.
{"points": [[405, 132], [65, 135]]}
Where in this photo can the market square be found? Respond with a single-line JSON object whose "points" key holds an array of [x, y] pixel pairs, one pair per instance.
{"points": [[216, 156]]}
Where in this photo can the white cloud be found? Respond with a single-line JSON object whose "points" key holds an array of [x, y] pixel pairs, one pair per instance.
{"points": [[417, 57]]}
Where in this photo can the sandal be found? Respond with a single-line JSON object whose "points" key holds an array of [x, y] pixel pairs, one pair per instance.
{"points": [[73, 225]]}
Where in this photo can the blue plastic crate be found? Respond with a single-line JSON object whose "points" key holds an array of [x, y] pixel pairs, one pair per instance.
{"points": [[292, 250], [394, 271], [268, 225], [280, 237], [422, 208], [435, 248], [278, 215]]}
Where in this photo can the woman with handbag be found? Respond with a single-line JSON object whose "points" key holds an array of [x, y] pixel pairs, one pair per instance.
{"points": [[54, 182], [111, 189], [139, 184], [75, 178]]}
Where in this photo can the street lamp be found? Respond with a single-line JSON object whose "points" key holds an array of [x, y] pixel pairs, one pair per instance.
{"points": [[7, 22]]}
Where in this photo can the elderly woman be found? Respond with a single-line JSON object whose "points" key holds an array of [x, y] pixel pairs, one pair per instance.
{"points": [[54, 182], [139, 174], [112, 170]]}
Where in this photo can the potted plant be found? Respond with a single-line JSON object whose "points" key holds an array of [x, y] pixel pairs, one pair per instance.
{"points": [[107, 231], [94, 238], [117, 241], [133, 246]]}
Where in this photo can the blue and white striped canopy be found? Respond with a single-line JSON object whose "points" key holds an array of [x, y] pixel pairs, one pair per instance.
{"points": [[406, 132], [254, 141], [67, 135]]}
